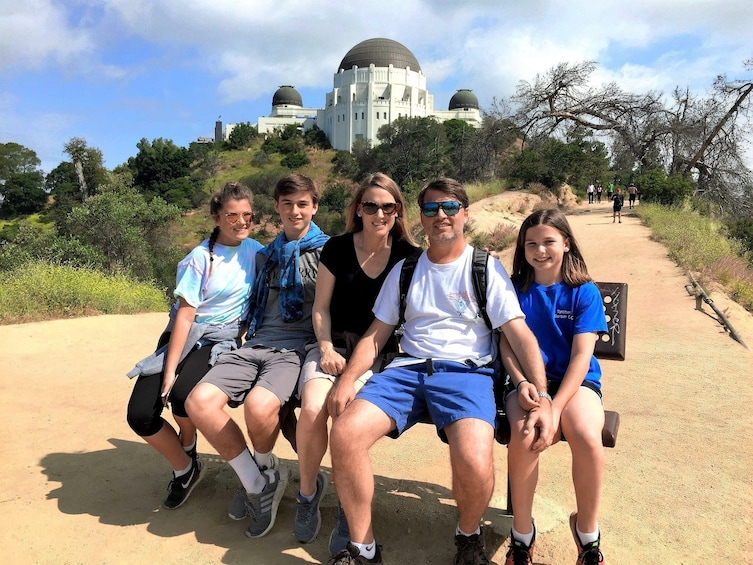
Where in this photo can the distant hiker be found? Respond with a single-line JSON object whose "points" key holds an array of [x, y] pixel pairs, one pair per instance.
{"points": [[618, 201], [632, 192]]}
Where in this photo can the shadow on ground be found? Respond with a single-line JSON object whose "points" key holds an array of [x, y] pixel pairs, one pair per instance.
{"points": [[125, 485]]}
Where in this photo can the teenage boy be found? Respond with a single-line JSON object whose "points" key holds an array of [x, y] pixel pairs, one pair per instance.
{"points": [[263, 374]]}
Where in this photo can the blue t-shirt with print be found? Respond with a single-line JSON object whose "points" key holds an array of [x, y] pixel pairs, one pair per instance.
{"points": [[556, 314]]}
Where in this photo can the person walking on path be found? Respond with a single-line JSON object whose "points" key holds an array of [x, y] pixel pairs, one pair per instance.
{"points": [[213, 283], [352, 268], [632, 192], [263, 374], [564, 309], [446, 371], [590, 191], [599, 190], [618, 201]]}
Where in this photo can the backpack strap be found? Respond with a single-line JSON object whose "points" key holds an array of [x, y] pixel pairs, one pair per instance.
{"points": [[406, 276], [478, 277]]}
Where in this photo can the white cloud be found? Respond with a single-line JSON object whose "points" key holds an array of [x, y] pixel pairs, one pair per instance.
{"points": [[34, 32], [245, 49]]}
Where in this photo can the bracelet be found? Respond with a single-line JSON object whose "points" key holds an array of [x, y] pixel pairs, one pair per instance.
{"points": [[520, 383], [545, 394]]}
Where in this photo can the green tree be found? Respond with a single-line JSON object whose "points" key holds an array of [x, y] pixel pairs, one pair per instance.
{"points": [[15, 158], [242, 136], [411, 149], [87, 165], [157, 165], [23, 193], [131, 232], [657, 187], [317, 138]]}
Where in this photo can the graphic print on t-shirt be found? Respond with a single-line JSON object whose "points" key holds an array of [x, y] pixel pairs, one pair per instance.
{"points": [[461, 301]]}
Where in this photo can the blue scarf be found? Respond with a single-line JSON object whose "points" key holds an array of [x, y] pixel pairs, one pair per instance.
{"points": [[285, 255]]}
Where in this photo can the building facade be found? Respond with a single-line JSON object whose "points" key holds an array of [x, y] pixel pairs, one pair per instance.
{"points": [[378, 81]]}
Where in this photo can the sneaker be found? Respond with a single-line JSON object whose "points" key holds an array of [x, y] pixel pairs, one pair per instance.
{"points": [[470, 550], [180, 487], [308, 517], [340, 536], [237, 509], [520, 553], [262, 507], [589, 554], [351, 556]]}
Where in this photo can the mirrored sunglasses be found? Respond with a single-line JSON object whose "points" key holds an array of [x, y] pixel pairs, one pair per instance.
{"points": [[233, 217], [371, 208], [431, 209]]}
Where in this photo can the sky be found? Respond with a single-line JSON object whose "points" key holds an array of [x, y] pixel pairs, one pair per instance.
{"points": [[115, 71]]}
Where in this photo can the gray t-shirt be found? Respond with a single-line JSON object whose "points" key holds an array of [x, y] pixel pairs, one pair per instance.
{"points": [[274, 332]]}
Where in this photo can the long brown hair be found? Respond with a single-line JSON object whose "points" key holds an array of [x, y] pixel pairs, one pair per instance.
{"points": [[379, 180], [574, 270]]}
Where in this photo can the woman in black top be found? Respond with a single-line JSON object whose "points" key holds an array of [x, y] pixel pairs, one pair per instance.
{"points": [[352, 268]]}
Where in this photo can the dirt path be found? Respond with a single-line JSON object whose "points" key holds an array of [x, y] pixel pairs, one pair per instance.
{"points": [[79, 487]]}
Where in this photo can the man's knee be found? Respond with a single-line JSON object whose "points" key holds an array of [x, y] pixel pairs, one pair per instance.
{"points": [[204, 398], [261, 407]]}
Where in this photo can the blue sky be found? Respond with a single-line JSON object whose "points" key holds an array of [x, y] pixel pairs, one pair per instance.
{"points": [[115, 71]]}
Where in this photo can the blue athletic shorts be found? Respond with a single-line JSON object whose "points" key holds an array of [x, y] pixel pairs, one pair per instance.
{"points": [[445, 391]]}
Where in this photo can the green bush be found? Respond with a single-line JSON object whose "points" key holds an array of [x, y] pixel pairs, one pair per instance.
{"points": [[295, 160], [698, 243], [40, 291]]}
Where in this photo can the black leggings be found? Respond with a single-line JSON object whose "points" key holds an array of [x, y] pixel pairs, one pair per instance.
{"points": [[145, 405]]}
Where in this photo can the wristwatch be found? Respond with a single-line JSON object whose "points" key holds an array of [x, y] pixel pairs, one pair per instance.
{"points": [[545, 394]]}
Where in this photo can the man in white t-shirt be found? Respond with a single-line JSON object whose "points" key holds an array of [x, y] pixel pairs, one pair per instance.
{"points": [[445, 373]]}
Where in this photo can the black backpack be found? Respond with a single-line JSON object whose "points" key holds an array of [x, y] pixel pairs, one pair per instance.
{"points": [[478, 279]]}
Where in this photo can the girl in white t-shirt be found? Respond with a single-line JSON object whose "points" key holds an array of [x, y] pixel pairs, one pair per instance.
{"points": [[213, 284]]}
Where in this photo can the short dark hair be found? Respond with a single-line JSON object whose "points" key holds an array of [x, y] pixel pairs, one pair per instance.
{"points": [[290, 184], [450, 187]]}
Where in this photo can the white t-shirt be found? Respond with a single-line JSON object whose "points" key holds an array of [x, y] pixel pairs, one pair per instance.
{"points": [[442, 317], [221, 297]]}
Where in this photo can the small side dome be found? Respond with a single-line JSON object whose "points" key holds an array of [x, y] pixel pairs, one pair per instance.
{"points": [[463, 98], [380, 52], [287, 96]]}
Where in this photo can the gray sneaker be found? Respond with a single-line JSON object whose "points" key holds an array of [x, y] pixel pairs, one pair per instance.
{"points": [[340, 536], [237, 509], [308, 517], [262, 507]]}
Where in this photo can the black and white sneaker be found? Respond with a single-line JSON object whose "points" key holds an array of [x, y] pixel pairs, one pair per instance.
{"points": [[180, 487]]}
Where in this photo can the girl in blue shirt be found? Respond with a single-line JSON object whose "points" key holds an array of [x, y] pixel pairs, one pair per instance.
{"points": [[213, 284], [564, 309]]}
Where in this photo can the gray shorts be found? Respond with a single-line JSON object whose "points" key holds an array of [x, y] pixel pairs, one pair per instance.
{"points": [[311, 369], [237, 372]]}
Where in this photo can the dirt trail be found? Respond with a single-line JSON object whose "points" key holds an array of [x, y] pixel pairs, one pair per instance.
{"points": [[79, 487]]}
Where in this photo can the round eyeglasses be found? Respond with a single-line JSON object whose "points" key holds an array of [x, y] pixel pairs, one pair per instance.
{"points": [[233, 217]]}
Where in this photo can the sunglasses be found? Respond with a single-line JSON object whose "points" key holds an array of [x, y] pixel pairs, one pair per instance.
{"points": [[233, 217], [371, 208], [431, 209]]}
